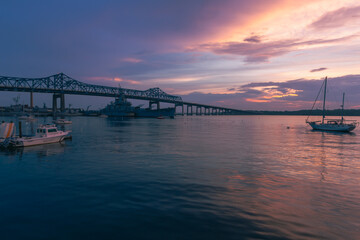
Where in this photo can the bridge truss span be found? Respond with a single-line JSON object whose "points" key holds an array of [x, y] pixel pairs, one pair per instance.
{"points": [[61, 83]]}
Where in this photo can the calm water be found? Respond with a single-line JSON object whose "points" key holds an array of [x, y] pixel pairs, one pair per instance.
{"points": [[220, 177]]}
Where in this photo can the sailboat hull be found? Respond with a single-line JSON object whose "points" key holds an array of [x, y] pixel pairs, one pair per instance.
{"points": [[332, 127]]}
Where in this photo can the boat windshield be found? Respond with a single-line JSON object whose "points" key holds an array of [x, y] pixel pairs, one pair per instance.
{"points": [[52, 130]]}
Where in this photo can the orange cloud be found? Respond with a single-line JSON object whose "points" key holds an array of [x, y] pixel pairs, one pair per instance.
{"points": [[116, 79], [132, 60], [256, 100]]}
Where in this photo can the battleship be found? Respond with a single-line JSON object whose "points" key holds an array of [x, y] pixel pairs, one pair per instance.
{"points": [[123, 108]]}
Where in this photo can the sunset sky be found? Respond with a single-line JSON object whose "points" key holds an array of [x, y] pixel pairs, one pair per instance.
{"points": [[259, 54]]}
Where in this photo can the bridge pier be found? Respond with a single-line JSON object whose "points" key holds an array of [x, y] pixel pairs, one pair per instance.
{"points": [[182, 107], [54, 103], [31, 100], [62, 102], [187, 110], [154, 102]]}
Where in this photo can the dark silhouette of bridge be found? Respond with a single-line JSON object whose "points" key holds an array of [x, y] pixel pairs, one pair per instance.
{"points": [[61, 84]]}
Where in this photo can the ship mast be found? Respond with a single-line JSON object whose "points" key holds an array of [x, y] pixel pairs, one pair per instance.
{"points": [[342, 109], [323, 117]]}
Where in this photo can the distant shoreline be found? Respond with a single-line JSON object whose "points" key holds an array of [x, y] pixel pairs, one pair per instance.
{"points": [[11, 111], [335, 112]]}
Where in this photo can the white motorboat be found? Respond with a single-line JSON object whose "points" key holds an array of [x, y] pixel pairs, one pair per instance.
{"points": [[339, 125], [44, 134], [62, 121]]}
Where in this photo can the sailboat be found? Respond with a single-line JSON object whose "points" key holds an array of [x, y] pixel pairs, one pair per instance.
{"points": [[339, 125]]}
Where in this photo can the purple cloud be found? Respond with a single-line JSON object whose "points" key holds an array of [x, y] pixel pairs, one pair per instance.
{"points": [[337, 18], [254, 39], [262, 52], [318, 69]]}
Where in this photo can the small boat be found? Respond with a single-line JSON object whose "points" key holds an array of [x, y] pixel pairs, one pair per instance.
{"points": [[339, 125], [27, 118], [61, 121], [44, 134]]}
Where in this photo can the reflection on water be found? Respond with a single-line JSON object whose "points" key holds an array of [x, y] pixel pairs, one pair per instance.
{"points": [[214, 177], [40, 151]]}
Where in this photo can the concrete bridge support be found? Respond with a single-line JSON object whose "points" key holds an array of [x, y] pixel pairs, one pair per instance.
{"points": [[187, 110], [154, 102], [62, 102], [31, 100], [182, 108], [198, 110]]}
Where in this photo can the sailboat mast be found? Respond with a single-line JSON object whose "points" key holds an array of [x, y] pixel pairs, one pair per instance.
{"points": [[342, 108], [323, 118]]}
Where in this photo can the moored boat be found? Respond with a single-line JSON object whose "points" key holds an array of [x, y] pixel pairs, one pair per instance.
{"points": [[27, 118], [155, 113], [45, 134], [119, 108], [339, 125], [62, 121], [123, 108]]}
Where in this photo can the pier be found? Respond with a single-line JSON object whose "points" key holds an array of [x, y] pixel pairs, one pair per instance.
{"points": [[60, 84]]}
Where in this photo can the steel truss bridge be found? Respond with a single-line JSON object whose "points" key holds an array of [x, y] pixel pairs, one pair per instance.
{"points": [[61, 84]]}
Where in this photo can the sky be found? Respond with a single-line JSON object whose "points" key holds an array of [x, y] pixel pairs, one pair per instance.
{"points": [[259, 54]]}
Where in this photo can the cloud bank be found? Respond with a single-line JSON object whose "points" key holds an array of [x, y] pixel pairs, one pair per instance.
{"points": [[289, 95]]}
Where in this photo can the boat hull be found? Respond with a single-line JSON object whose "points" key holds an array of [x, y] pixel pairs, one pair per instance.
{"points": [[332, 127], [33, 141], [164, 112], [118, 114], [62, 122]]}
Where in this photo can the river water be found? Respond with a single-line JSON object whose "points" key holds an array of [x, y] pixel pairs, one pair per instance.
{"points": [[209, 177]]}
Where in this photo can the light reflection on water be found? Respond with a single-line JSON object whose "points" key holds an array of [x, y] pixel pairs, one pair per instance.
{"points": [[208, 177]]}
